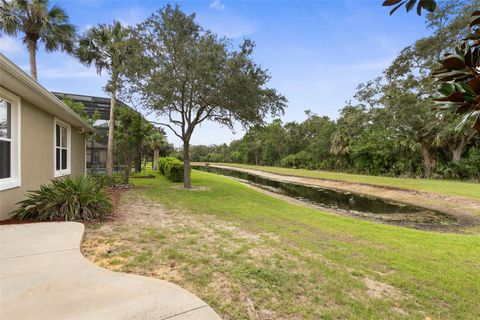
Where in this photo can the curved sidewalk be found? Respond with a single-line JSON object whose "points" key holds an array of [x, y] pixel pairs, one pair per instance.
{"points": [[43, 275]]}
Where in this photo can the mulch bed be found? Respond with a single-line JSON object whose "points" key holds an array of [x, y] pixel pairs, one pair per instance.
{"points": [[16, 221]]}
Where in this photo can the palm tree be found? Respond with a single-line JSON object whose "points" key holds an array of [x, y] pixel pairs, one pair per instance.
{"points": [[37, 22], [106, 47], [156, 141]]}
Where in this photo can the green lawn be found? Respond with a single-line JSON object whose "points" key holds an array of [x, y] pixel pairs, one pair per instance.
{"points": [[447, 187], [251, 256]]}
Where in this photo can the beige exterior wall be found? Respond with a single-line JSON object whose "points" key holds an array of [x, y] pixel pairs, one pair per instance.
{"points": [[37, 152]]}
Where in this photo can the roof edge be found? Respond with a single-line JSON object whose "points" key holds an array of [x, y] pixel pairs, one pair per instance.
{"points": [[13, 69]]}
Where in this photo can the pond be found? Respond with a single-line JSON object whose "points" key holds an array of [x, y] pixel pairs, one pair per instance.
{"points": [[346, 202]]}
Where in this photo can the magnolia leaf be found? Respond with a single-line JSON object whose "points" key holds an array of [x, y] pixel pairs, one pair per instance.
{"points": [[454, 97], [398, 6], [468, 91], [475, 22], [447, 106], [447, 88], [429, 5], [410, 4], [474, 84], [388, 3], [459, 88], [453, 61], [468, 58], [456, 75]]}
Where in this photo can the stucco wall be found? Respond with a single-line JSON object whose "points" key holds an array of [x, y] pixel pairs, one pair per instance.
{"points": [[37, 163]]}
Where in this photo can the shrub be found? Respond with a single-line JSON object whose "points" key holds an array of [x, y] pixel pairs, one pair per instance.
{"points": [[174, 170], [299, 160], [162, 162], [105, 181], [81, 198]]}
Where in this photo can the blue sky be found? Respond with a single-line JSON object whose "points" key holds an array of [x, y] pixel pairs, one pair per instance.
{"points": [[316, 51]]}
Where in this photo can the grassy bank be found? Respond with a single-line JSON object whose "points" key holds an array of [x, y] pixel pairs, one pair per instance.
{"points": [[251, 256], [446, 187]]}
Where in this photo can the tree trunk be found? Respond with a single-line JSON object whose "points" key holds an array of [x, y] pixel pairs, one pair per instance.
{"points": [[187, 183], [111, 132], [32, 50], [428, 162], [457, 153], [138, 161], [127, 170], [155, 159], [458, 150]]}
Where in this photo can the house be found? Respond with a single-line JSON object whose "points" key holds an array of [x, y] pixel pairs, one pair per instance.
{"points": [[41, 138], [96, 154]]}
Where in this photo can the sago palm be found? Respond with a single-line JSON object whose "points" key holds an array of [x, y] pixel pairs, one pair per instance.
{"points": [[38, 22], [106, 47]]}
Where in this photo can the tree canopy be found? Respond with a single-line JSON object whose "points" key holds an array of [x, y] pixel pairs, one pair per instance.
{"points": [[190, 75], [390, 127], [38, 22], [108, 48]]}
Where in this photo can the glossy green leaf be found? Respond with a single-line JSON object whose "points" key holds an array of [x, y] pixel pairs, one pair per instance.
{"points": [[410, 5]]}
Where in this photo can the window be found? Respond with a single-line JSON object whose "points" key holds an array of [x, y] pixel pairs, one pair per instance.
{"points": [[62, 148], [9, 140], [5, 138], [96, 156]]}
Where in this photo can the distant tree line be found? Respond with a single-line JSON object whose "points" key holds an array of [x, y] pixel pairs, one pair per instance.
{"points": [[392, 127]]}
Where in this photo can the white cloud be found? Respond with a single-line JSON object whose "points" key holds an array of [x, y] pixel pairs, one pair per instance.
{"points": [[67, 73], [85, 28], [130, 16], [217, 5], [69, 68], [10, 46], [228, 25]]}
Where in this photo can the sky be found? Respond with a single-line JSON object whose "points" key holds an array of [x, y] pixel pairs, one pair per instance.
{"points": [[317, 52]]}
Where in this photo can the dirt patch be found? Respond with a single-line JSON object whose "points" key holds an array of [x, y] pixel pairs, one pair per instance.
{"points": [[217, 260], [193, 188], [377, 289]]}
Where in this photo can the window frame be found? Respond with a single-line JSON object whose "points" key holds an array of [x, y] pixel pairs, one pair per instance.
{"points": [[68, 169], [15, 179]]}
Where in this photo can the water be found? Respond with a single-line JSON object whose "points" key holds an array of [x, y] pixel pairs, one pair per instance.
{"points": [[347, 202]]}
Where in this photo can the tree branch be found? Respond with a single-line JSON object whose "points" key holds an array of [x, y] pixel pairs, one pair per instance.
{"points": [[168, 126]]}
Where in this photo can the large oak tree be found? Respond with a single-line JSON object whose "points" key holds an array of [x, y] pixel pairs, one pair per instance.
{"points": [[189, 75]]}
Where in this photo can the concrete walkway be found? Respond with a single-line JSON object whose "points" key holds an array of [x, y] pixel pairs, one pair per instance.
{"points": [[43, 275]]}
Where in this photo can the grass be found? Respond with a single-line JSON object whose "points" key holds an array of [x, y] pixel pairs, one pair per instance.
{"points": [[446, 187], [251, 256]]}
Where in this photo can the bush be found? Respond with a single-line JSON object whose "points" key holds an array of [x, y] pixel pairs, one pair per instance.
{"points": [[81, 198], [105, 181], [174, 171], [162, 162], [300, 160], [467, 168]]}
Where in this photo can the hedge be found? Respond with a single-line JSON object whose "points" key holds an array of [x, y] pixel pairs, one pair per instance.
{"points": [[172, 168], [174, 171], [163, 161]]}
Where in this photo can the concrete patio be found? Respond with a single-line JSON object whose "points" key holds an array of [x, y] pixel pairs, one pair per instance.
{"points": [[43, 275]]}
